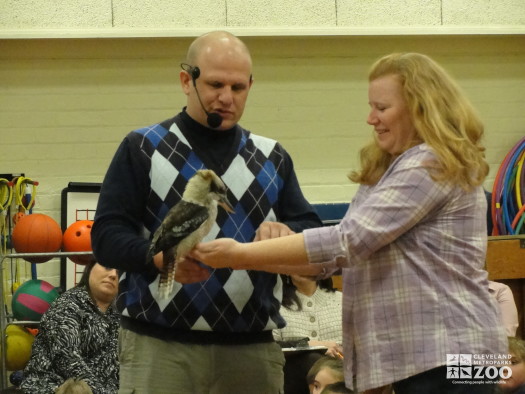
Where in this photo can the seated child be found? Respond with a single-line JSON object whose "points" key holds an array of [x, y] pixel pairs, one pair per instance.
{"points": [[336, 388], [325, 371], [515, 384]]}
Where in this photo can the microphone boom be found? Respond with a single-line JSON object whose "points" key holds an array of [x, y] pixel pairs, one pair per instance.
{"points": [[214, 120]]}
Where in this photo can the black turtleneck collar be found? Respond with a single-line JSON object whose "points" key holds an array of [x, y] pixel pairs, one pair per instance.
{"points": [[197, 128], [216, 148]]}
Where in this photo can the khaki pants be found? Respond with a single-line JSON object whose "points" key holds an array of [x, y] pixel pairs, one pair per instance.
{"points": [[153, 366]]}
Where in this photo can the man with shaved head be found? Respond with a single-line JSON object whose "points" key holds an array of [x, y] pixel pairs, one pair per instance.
{"points": [[223, 84], [213, 333]]}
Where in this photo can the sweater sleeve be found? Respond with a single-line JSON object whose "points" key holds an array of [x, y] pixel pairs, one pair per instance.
{"points": [[117, 234], [294, 210]]}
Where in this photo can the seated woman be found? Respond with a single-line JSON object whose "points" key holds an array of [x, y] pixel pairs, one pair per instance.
{"points": [[78, 338], [507, 306], [311, 309]]}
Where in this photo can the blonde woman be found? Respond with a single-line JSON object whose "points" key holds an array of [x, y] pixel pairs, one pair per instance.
{"points": [[412, 244]]}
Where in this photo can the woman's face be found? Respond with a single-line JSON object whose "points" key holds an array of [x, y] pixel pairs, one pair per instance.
{"points": [[389, 115], [517, 379], [103, 284], [323, 378]]}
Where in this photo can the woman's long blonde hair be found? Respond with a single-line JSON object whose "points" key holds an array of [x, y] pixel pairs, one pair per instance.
{"points": [[443, 118]]}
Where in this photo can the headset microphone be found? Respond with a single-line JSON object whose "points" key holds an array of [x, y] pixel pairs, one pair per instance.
{"points": [[214, 120]]}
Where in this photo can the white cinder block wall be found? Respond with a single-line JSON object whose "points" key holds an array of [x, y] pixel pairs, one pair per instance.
{"points": [[66, 103], [210, 14]]}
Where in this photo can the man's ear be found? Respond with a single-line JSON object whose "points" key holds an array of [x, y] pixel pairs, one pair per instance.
{"points": [[185, 81]]}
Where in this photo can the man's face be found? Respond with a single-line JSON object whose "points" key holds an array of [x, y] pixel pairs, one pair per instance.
{"points": [[223, 86]]}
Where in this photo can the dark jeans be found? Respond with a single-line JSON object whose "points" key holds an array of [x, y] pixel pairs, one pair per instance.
{"points": [[435, 381]]}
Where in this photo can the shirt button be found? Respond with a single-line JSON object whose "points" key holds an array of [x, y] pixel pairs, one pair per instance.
{"points": [[312, 318], [314, 334], [309, 303]]}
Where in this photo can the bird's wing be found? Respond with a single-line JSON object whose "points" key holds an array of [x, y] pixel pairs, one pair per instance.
{"points": [[183, 219]]}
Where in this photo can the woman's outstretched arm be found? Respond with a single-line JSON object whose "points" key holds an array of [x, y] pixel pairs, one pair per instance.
{"points": [[287, 252]]}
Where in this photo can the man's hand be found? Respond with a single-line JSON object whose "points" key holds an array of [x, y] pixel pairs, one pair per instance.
{"points": [[269, 230], [186, 271], [190, 271]]}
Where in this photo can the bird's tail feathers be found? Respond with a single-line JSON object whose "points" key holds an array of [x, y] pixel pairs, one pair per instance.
{"points": [[166, 277], [165, 285], [165, 290]]}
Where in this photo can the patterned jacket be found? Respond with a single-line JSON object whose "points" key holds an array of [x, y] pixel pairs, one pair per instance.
{"points": [[75, 340]]}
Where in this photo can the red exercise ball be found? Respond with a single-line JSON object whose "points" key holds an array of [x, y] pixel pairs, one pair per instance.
{"points": [[77, 238], [37, 233]]}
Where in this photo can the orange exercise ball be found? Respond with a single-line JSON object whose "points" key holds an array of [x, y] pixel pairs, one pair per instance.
{"points": [[17, 216], [37, 233], [77, 238]]}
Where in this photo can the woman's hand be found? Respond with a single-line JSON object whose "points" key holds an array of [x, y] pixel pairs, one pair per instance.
{"points": [[334, 349], [264, 255], [219, 253]]}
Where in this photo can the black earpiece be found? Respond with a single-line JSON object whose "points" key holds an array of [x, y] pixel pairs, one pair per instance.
{"points": [[195, 72]]}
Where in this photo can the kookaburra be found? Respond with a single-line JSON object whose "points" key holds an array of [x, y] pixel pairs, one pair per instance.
{"points": [[187, 223]]}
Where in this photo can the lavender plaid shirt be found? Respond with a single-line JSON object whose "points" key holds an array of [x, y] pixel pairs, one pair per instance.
{"points": [[414, 286]]}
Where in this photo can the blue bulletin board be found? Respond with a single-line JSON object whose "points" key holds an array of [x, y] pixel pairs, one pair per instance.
{"points": [[331, 213]]}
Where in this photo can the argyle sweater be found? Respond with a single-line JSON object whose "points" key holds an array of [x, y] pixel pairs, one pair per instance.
{"points": [[262, 186]]}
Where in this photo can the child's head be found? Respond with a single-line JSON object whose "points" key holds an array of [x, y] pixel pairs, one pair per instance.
{"points": [[336, 388], [326, 370], [517, 365]]}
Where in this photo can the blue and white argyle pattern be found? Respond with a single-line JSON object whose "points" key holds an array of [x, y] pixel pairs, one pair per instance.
{"points": [[230, 301]]}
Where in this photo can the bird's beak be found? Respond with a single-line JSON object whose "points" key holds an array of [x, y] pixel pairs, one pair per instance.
{"points": [[223, 202]]}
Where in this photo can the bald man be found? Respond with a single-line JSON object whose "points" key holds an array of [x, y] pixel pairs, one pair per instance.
{"points": [[214, 332]]}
